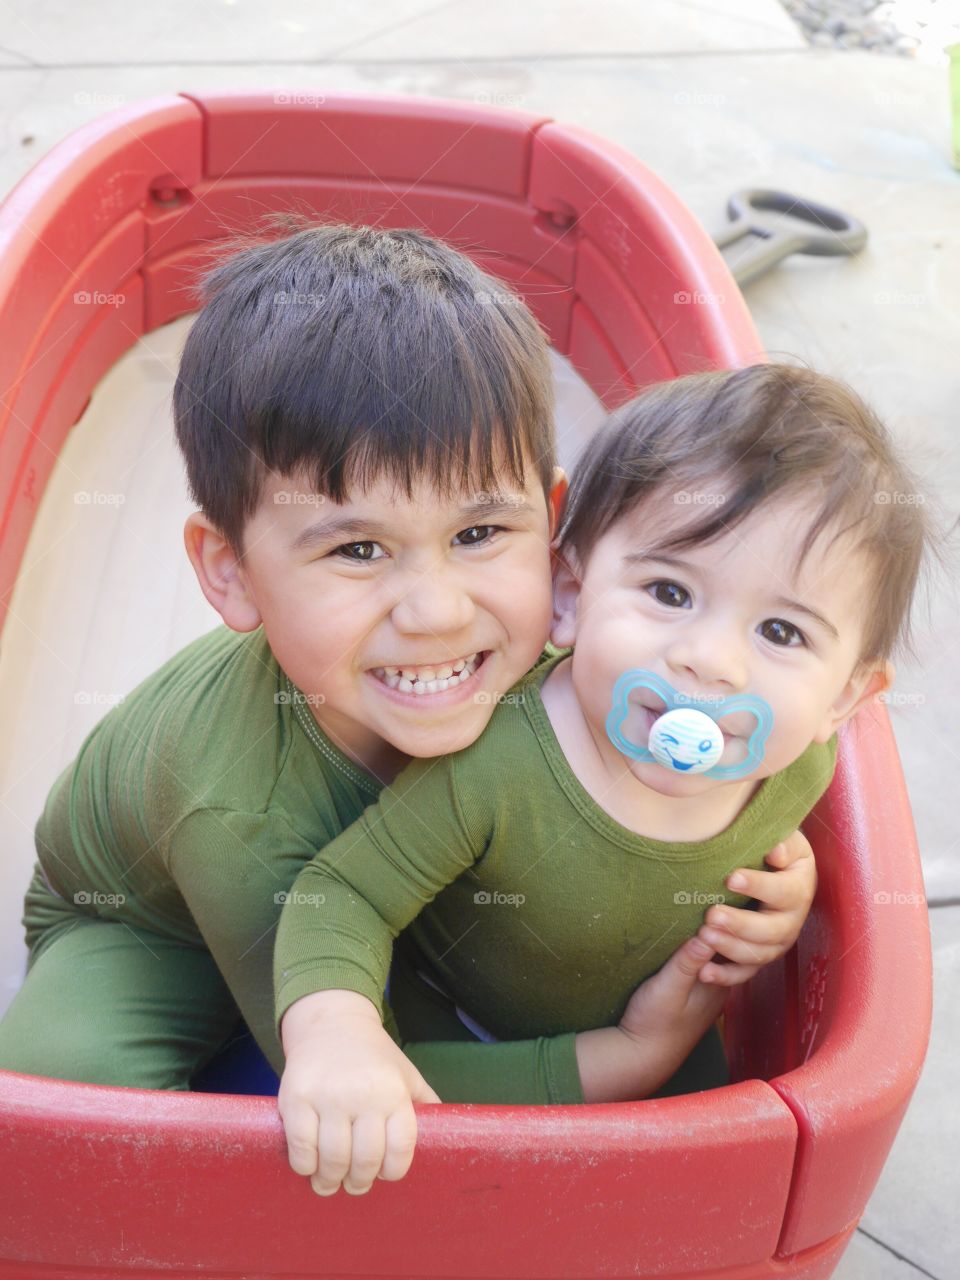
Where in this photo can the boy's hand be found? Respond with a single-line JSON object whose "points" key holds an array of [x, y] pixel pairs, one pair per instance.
{"points": [[747, 940], [672, 1010], [346, 1099]]}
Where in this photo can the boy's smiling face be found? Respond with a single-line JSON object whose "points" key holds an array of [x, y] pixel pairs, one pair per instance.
{"points": [[433, 585], [716, 620]]}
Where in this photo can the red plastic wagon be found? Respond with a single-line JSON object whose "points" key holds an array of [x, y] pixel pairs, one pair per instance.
{"points": [[766, 1177]]}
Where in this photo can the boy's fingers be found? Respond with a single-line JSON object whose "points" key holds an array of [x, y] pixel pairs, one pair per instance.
{"points": [[685, 964], [728, 975], [401, 1136], [302, 1128], [369, 1144], [335, 1148]]}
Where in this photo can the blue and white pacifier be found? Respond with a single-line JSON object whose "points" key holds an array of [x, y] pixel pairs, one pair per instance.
{"points": [[687, 738]]}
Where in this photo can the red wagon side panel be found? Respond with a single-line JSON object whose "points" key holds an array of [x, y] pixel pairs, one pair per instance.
{"points": [[510, 1191], [441, 142], [868, 998], [657, 250], [71, 241], [499, 234]]}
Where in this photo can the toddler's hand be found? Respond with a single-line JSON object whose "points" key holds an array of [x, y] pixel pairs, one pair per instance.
{"points": [[748, 940], [346, 1100]]}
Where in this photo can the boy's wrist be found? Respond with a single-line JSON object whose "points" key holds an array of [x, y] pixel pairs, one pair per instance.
{"points": [[616, 1066]]}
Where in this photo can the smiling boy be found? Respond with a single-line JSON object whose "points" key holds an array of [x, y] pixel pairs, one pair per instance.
{"points": [[467, 588]]}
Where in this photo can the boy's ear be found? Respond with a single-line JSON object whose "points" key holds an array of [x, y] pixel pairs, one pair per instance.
{"points": [[566, 596], [558, 492], [866, 682], [221, 576]]}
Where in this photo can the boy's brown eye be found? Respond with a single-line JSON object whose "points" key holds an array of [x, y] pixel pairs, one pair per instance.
{"points": [[476, 533], [357, 550]]}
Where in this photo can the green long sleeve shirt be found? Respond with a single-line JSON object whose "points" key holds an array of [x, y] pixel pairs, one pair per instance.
{"points": [[519, 895], [191, 807]]}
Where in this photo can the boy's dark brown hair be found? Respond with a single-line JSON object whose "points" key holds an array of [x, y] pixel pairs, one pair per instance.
{"points": [[751, 434], [343, 353]]}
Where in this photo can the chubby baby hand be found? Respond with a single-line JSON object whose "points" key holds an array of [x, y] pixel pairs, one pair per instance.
{"points": [[746, 940]]}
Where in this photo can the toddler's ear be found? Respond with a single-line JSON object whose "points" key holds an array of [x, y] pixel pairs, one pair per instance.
{"points": [[866, 682], [566, 595]]}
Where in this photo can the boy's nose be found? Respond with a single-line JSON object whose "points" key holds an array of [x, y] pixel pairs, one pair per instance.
{"points": [[433, 606]]}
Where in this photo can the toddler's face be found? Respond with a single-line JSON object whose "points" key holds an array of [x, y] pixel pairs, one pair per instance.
{"points": [[717, 620], [402, 619]]}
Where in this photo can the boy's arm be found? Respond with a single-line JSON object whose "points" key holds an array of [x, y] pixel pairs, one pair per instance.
{"points": [[664, 1020], [347, 1094], [352, 899], [233, 880], [234, 873], [592, 1066], [631, 1060]]}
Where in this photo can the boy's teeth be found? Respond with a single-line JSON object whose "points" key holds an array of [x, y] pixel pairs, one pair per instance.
{"points": [[424, 680]]}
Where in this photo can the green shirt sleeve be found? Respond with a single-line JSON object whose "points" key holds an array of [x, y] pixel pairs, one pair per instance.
{"points": [[352, 899], [460, 1067], [234, 871], [524, 1072], [234, 889]]}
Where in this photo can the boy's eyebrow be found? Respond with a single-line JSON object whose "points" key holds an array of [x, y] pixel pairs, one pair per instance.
{"points": [[352, 526], [488, 508], [335, 527], [783, 602]]}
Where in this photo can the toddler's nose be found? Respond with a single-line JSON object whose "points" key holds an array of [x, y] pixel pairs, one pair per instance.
{"points": [[707, 661]]}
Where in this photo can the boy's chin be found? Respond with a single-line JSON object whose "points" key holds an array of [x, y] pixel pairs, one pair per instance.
{"points": [[443, 740]]}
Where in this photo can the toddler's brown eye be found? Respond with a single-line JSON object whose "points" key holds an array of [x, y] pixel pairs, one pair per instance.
{"points": [[670, 593], [782, 633]]}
